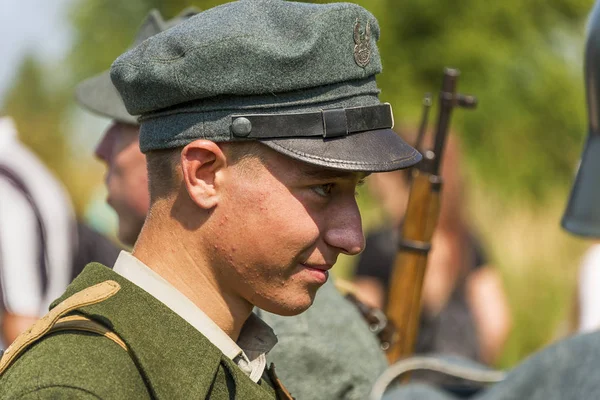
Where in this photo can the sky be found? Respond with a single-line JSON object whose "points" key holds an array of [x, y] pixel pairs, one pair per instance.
{"points": [[41, 26], [25, 25]]}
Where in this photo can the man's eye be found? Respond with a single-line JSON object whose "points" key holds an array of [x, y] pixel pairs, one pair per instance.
{"points": [[323, 190]]}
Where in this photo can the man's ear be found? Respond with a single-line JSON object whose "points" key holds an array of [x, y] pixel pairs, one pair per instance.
{"points": [[201, 161]]}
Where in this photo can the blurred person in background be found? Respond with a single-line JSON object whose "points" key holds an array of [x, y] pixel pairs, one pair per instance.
{"points": [[330, 339], [42, 246], [465, 309]]}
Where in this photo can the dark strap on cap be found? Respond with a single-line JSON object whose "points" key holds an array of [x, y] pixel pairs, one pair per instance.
{"points": [[327, 123]]}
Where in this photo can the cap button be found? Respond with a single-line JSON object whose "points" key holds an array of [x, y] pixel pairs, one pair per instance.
{"points": [[241, 126]]}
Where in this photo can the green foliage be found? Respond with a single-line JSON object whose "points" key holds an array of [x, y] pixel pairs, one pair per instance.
{"points": [[102, 31], [39, 110], [515, 56], [525, 136], [39, 103], [106, 28]]}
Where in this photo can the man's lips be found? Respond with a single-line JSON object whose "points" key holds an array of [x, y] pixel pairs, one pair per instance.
{"points": [[321, 267], [318, 272]]}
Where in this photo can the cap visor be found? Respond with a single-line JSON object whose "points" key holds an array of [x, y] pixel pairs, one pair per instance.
{"points": [[372, 151], [99, 96], [582, 216]]}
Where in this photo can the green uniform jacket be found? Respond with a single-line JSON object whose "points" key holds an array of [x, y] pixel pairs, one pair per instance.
{"points": [[167, 359]]}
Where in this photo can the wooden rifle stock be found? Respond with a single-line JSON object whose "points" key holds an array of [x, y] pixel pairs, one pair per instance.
{"points": [[404, 299]]}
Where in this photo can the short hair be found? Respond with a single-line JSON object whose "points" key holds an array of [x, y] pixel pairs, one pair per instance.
{"points": [[164, 174]]}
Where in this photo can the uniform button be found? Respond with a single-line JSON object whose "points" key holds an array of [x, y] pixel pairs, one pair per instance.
{"points": [[241, 126]]}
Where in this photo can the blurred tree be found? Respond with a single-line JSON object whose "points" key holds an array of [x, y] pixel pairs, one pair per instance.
{"points": [[526, 134], [38, 110], [517, 57], [39, 103], [106, 28]]}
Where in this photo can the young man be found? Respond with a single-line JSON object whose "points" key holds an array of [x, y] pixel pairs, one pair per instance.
{"points": [[258, 120], [330, 339]]}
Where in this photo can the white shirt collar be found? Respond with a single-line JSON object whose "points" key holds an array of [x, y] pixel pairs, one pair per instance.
{"points": [[256, 338]]}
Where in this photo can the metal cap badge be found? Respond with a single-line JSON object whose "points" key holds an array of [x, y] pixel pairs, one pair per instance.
{"points": [[362, 49]]}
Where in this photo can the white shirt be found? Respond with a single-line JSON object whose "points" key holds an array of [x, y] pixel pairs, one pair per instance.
{"points": [[35, 264], [589, 291], [256, 338]]}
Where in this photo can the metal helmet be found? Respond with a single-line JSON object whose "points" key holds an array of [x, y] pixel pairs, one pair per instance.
{"points": [[582, 216]]}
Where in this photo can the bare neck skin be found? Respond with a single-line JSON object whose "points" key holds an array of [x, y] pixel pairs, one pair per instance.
{"points": [[172, 251]]}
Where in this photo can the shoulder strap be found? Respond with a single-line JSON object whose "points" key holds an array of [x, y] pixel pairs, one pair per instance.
{"points": [[91, 295], [79, 322]]}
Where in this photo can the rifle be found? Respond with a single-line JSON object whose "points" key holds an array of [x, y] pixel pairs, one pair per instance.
{"points": [[404, 300]]}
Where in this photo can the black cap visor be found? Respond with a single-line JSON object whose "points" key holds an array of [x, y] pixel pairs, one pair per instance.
{"points": [[372, 151]]}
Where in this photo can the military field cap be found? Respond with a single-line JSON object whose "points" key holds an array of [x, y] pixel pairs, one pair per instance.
{"points": [[99, 95], [298, 77]]}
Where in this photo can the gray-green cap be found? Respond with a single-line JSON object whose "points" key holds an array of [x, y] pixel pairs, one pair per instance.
{"points": [[99, 95], [298, 77]]}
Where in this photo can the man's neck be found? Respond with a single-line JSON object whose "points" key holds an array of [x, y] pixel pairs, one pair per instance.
{"points": [[181, 264]]}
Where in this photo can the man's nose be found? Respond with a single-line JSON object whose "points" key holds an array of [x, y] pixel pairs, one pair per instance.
{"points": [[344, 229], [104, 148]]}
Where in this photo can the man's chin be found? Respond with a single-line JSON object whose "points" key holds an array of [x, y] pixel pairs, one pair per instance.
{"points": [[289, 307]]}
